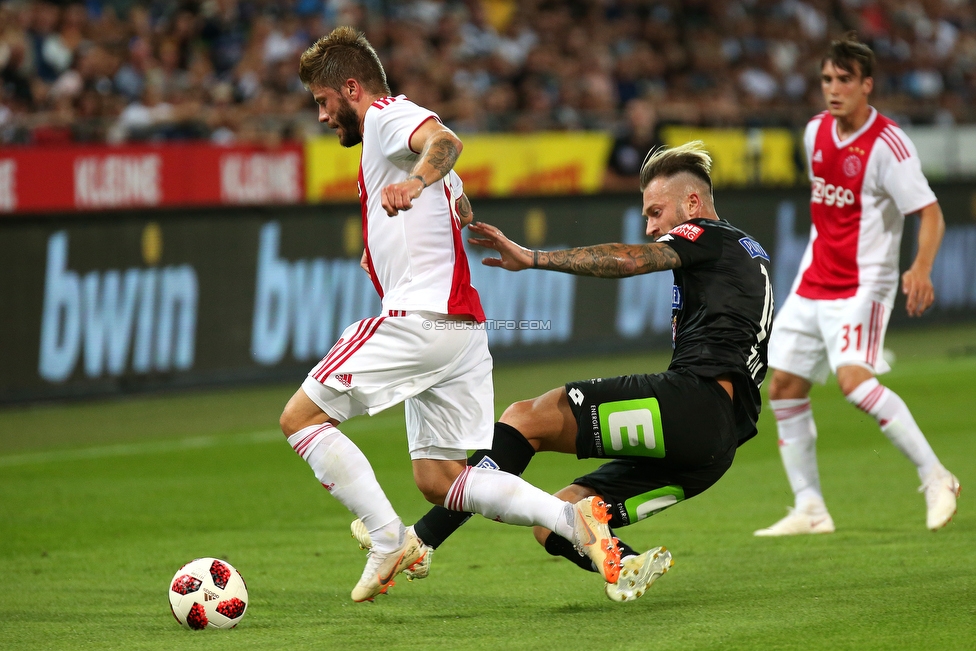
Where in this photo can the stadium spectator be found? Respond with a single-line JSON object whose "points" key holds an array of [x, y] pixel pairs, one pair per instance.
{"points": [[534, 64], [630, 147], [866, 177]]}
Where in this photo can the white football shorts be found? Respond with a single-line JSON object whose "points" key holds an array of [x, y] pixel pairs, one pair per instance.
{"points": [[438, 366], [812, 338]]}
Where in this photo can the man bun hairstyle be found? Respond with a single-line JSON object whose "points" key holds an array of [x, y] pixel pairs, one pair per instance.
{"points": [[691, 158], [849, 54], [343, 54]]}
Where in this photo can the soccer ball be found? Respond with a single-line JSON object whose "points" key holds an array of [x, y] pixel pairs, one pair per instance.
{"points": [[208, 592]]}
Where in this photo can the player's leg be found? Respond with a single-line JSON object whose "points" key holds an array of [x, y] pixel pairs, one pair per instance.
{"points": [[376, 364], [462, 403], [798, 356], [858, 363], [671, 436], [509, 452]]}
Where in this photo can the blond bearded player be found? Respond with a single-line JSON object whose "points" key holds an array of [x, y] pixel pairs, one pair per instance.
{"points": [[413, 208], [866, 177]]}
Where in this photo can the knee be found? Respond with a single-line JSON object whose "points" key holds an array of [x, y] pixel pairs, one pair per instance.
{"points": [[517, 413], [785, 386], [287, 422], [434, 490], [851, 377]]}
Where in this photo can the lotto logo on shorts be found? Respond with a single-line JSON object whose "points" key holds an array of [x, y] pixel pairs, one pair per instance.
{"points": [[687, 231]]}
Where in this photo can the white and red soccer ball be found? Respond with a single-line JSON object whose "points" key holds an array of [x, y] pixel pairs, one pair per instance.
{"points": [[208, 592]]}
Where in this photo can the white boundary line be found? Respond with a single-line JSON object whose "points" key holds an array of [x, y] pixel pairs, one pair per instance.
{"points": [[133, 449]]}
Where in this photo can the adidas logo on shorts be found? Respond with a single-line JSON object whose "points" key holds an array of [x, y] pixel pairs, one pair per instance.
{"points": [[345, 379]]}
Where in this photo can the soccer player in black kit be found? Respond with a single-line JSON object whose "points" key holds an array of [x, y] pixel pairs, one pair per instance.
{"points": [[669, 435]]}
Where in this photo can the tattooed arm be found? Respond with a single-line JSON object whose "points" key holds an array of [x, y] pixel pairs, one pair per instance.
{"points": [[601, 260], [609, 260], [464, 210], [439, 149]]}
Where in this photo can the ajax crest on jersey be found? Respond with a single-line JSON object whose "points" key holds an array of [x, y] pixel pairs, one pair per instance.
{"points": [[208, 592]]}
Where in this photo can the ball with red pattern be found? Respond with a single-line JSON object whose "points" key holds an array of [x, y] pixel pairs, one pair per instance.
{"points": [[208, 593]]}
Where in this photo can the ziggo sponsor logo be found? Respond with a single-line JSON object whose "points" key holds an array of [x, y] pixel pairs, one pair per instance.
{"points": [[831, 195]]}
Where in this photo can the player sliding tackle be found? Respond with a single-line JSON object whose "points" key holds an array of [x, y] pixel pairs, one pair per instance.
{"points": [[669, 435], [443, 375]]}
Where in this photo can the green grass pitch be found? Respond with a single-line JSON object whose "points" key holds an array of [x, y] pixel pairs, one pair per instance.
{"points": [[100, 503]]}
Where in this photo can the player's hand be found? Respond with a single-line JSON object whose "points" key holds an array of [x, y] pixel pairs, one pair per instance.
{"points": [[399, 196], [919, 294], [514, 257], [364, 263]]}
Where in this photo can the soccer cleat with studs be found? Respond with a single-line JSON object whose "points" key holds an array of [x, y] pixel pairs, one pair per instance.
{"points": [[812, 518], [418, 570], [381, 567], [941, 489], [638, 573], [592, 537]]}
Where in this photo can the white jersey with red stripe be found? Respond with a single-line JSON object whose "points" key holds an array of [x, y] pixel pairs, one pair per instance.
{"points": [[416, 258], [863, 187]]}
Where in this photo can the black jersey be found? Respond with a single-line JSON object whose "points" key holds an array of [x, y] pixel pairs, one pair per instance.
{"points": [[722, 309]]}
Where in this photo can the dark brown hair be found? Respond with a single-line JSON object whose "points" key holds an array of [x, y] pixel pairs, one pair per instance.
{"points": [[691, 158], [343, 54], [851, 55]]}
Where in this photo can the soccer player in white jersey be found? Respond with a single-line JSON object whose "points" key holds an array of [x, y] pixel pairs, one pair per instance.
{"points": [[426, 348], [866, 177]]}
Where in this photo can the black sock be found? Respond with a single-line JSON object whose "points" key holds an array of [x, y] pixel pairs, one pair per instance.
{"points": [[509, 452], [556, 545], [625, 549]]}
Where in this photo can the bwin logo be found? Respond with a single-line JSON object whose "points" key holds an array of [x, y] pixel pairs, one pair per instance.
{"points": [[148, 312]]}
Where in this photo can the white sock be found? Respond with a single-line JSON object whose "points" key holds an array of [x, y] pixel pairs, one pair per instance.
{"points": [[896, 423], [507, 498], [344, 471], [798, 449]]}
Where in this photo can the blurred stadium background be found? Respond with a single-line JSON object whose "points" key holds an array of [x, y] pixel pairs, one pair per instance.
{"points": [[171, 213], [173, 217]]}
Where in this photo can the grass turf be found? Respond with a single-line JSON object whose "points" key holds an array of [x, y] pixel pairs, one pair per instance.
{"points": [[100, 503]]}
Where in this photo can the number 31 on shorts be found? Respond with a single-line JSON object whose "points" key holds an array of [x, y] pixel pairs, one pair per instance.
{"points": [[851, 334]]}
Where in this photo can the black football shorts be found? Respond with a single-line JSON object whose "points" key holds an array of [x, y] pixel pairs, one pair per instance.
{"points": [[671, 435]]}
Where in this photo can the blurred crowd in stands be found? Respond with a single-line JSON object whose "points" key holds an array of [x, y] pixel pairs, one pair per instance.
{"points": [[226, 70]]}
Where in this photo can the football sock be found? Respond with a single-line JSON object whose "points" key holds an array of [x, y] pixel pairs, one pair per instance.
{"points": [[892, 414], [509, 452], [344, 471], [798, 449], [508, 498], [558, 546]]}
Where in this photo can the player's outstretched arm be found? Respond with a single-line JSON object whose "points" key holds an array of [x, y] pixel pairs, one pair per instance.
{"points": [[916, 283], [439, 149], [464, 210], [601, 260]]}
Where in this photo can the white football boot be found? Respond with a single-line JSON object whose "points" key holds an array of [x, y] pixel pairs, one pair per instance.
{"points": [[637, 573], [381, 567], [941, 489], [418, 570], [811, 518], [592, 537]]}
